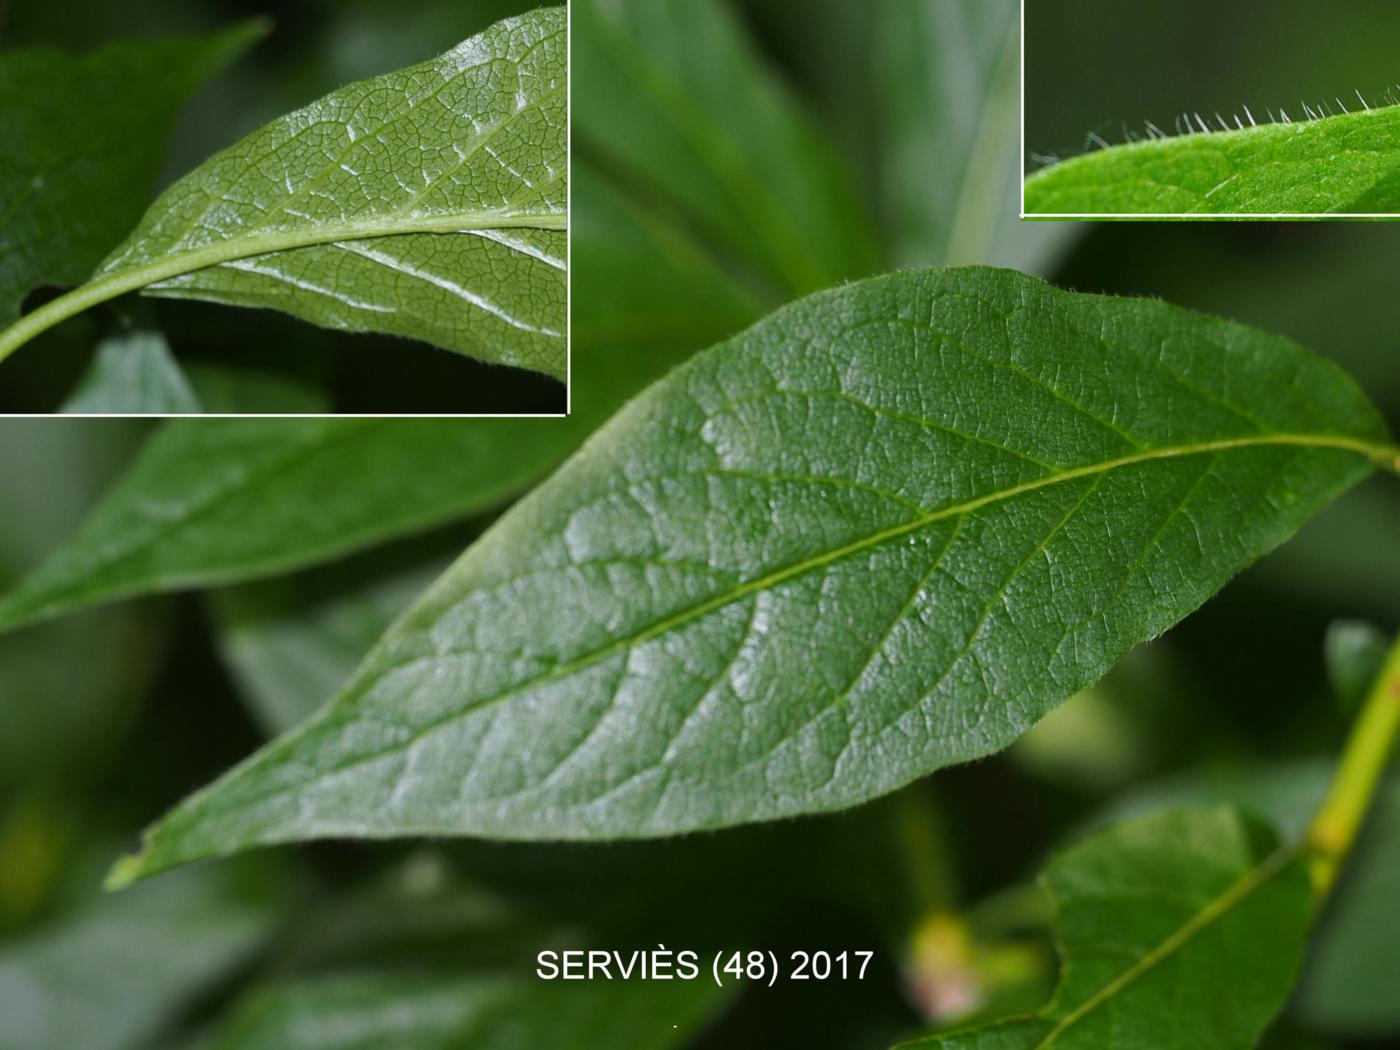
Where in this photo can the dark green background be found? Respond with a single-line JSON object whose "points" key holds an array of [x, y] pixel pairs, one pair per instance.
{"points": [[1107, 65]]}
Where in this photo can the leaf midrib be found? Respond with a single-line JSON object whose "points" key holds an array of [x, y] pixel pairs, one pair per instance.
{"points": [[370, 673], [1376, 453], [235, 248], [134, 278]]}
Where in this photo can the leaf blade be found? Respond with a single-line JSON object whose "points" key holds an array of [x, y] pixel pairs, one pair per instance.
{"points": [[585, 610], [428, 203], [1346, 984], [180, 516], [194, 932], [1185, 922], [1346, 164]]}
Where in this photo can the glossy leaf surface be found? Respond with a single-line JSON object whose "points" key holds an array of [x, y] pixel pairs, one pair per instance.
{"points": [[883, 531], [428, 203], [1183, 928], [1348, 164]]}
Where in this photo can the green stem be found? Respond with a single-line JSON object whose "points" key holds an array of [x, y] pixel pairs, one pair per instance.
{"points": [[1364, 760], [163, 268]]}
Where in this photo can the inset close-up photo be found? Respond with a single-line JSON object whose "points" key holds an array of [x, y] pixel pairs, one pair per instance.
{"points": [[1261, 109], [400, 190]]}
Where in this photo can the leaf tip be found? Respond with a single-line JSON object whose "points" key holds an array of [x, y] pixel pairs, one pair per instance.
{"points": [[127, 870]]}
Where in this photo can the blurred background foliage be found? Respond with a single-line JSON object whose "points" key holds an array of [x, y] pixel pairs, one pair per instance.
{"points": [[729, 156], [1104, 67], [258, 361]]}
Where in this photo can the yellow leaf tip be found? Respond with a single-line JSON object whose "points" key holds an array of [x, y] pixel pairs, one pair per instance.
{"points": [[127, 870]]}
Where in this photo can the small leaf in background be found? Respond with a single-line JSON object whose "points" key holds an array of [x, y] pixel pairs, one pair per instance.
{"points": [[815, 620], [948, 77], [925, 97], [639, 281], [293, 642], [133, 373], [414, 1011], [418, 961], [1355, 655], [1346, 164], [108, 977], [223, 500], [1181, 928], [1348, 984], [81, 143], [675, 101]]}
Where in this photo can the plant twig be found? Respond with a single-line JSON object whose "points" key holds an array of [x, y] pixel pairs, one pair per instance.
{"points": [[1364, 760]]}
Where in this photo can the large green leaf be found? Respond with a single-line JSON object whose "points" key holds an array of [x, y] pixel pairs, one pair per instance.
{"points": [[1348, 164], [677, 105], [81, 142], [428, 203], [1184, 928], [883, 531]]}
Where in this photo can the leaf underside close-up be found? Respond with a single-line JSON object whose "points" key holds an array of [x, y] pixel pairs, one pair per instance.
{"points": [[1183, 928], [428, 203], [1347, 164], [903, 520]]}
